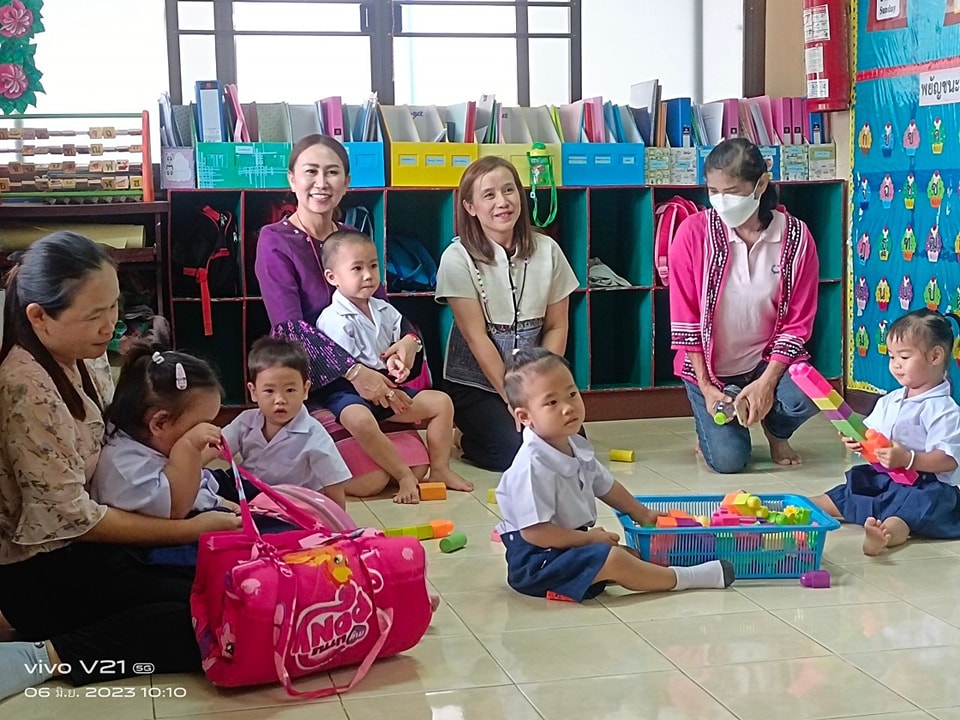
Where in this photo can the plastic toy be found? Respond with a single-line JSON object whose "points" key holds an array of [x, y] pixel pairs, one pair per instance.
{"points": [[551, 595], [433, 530], [491, 496], [495, 536], [845, 420], [453, 543], [433, 491], [724, 412], [622, 455], [815, 579]]}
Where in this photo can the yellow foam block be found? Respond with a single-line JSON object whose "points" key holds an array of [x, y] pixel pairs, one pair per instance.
{"points": [[492, 496]]}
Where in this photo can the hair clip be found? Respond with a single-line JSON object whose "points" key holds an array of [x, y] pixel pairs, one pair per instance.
{"points": [[181, 376], [157, 357]]}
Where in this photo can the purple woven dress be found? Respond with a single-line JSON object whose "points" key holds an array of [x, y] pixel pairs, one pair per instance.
{"points": [[295, 292]]}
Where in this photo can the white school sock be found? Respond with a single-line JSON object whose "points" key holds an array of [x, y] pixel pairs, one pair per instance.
{"points": [[714, 574], [22, 665]]}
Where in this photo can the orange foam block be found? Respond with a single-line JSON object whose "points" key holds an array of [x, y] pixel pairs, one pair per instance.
{"points": [[441, 528], [433, 491], [666, 522]]}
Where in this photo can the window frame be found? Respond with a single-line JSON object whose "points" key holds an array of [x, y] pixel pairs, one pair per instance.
{"points": [[380, 22]]}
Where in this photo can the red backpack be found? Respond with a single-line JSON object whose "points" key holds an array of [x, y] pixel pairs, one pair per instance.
{"points": [[669, 214]]}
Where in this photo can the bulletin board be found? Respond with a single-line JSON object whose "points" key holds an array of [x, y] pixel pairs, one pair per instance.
{"points": [[905, 219]]}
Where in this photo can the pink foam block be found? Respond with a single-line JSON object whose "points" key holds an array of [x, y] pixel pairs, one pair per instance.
{"points": [[808, 379]]}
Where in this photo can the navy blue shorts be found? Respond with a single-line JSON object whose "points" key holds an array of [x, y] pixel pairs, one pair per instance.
{"points": [[535, 571], [930, 508], [341, 394]]}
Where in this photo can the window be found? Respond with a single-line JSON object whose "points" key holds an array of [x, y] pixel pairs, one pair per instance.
{"points": [[409, 51]]}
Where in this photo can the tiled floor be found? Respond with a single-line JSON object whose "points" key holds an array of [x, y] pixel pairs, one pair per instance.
{"points": [[883, 642]]}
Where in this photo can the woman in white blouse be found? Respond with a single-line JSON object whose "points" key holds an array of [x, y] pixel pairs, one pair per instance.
{"points": [[508, 288]]}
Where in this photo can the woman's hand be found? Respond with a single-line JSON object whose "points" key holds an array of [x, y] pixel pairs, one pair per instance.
{"points": [[380, 390], [754, 401], [405, 349], [713, 395]]}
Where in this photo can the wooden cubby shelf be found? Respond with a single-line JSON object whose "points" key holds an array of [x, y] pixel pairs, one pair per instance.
{"points": [[619, 341]]}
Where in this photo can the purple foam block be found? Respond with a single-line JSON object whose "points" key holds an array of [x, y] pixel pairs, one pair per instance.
{"points": [[836, 414], [815, 579]]}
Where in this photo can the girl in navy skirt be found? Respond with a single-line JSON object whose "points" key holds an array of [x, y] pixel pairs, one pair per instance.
{"points": [[548, 498], [923, 423]]}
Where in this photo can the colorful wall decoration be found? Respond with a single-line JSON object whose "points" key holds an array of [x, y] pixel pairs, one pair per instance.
{"points": [[905, 224], [20, 22]]}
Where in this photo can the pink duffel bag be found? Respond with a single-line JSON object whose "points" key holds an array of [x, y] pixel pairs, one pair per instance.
{"points": [[297, 603]]}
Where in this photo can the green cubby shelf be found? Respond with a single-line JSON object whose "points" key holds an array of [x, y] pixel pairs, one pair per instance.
{"points": [[424, 215], [223, 350], [621, 338], [822, 206], [620, 219], [569, 229], [578, 338], [826, 344], [618, 340]]}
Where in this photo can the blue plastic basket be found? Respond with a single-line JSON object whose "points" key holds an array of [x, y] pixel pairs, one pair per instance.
{"points": [[756, 551]]}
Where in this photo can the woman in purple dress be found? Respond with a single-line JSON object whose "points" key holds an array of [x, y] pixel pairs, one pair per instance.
{"points": [[295, 291]]}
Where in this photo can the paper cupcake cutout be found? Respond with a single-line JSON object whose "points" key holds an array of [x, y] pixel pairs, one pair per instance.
{"points": [[863, 247], [882, 337], [863, 194], [937, 136], [934, 244], [905, 293], [862, 341], [886, 140], [884, 252], [861, 294], [865, 138], [882, 294], [909, 192], [911, 138], [935, 190], [932, 295], [908, 244], [886, 191]]}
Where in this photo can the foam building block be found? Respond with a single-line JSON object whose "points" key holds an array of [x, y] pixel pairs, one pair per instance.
{"points": [[872, 442], [815, 579], [491, 496], [433, 491], [429, 531], [441, 528], [847, 422], [453, 543]]}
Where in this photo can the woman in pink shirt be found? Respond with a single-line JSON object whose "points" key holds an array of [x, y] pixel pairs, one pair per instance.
{"points": [[743, 298]]}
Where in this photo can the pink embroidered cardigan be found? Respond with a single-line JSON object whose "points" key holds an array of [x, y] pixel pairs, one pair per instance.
{"points": [[698, 271]]}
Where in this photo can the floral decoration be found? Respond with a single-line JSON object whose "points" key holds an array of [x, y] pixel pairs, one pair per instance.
{"points": [[20, 21]]}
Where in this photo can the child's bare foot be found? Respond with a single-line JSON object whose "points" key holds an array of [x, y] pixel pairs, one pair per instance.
{"points": [[449, 478], [780, 451], [434, 602], [409, 493], [876, 537], [696, 450]]}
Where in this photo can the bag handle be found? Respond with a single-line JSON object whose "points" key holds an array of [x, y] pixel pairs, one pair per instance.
{"points": [[297, 515], [286, 598]]}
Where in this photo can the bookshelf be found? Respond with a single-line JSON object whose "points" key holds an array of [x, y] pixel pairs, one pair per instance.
{"points": [[619, 341], [141, 265]]}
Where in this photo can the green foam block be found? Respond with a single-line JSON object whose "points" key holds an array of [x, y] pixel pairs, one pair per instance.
{"points": [[453, 542]]}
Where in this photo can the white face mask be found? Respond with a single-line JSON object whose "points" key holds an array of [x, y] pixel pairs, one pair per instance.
{"points": [[735, 210]]}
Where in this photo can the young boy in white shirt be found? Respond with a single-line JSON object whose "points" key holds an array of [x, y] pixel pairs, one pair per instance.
{"points": [[367, 327], [279, 442], [548, 499]]}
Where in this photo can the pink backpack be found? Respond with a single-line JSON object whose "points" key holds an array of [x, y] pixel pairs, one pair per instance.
{"points": [[669, 214], [304, 602]]}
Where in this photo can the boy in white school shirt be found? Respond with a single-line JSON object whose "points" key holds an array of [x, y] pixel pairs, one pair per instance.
{"points": [[367, 328], [548, 498], [279, 442]]}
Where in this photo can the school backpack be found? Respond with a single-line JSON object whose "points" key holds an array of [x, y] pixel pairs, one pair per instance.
{"points": [[410, 267], [669, 214], [206, 260], [359, 218]]}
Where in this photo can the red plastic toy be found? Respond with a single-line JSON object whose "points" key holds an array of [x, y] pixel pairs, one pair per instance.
{"points": [[868, 448]]}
